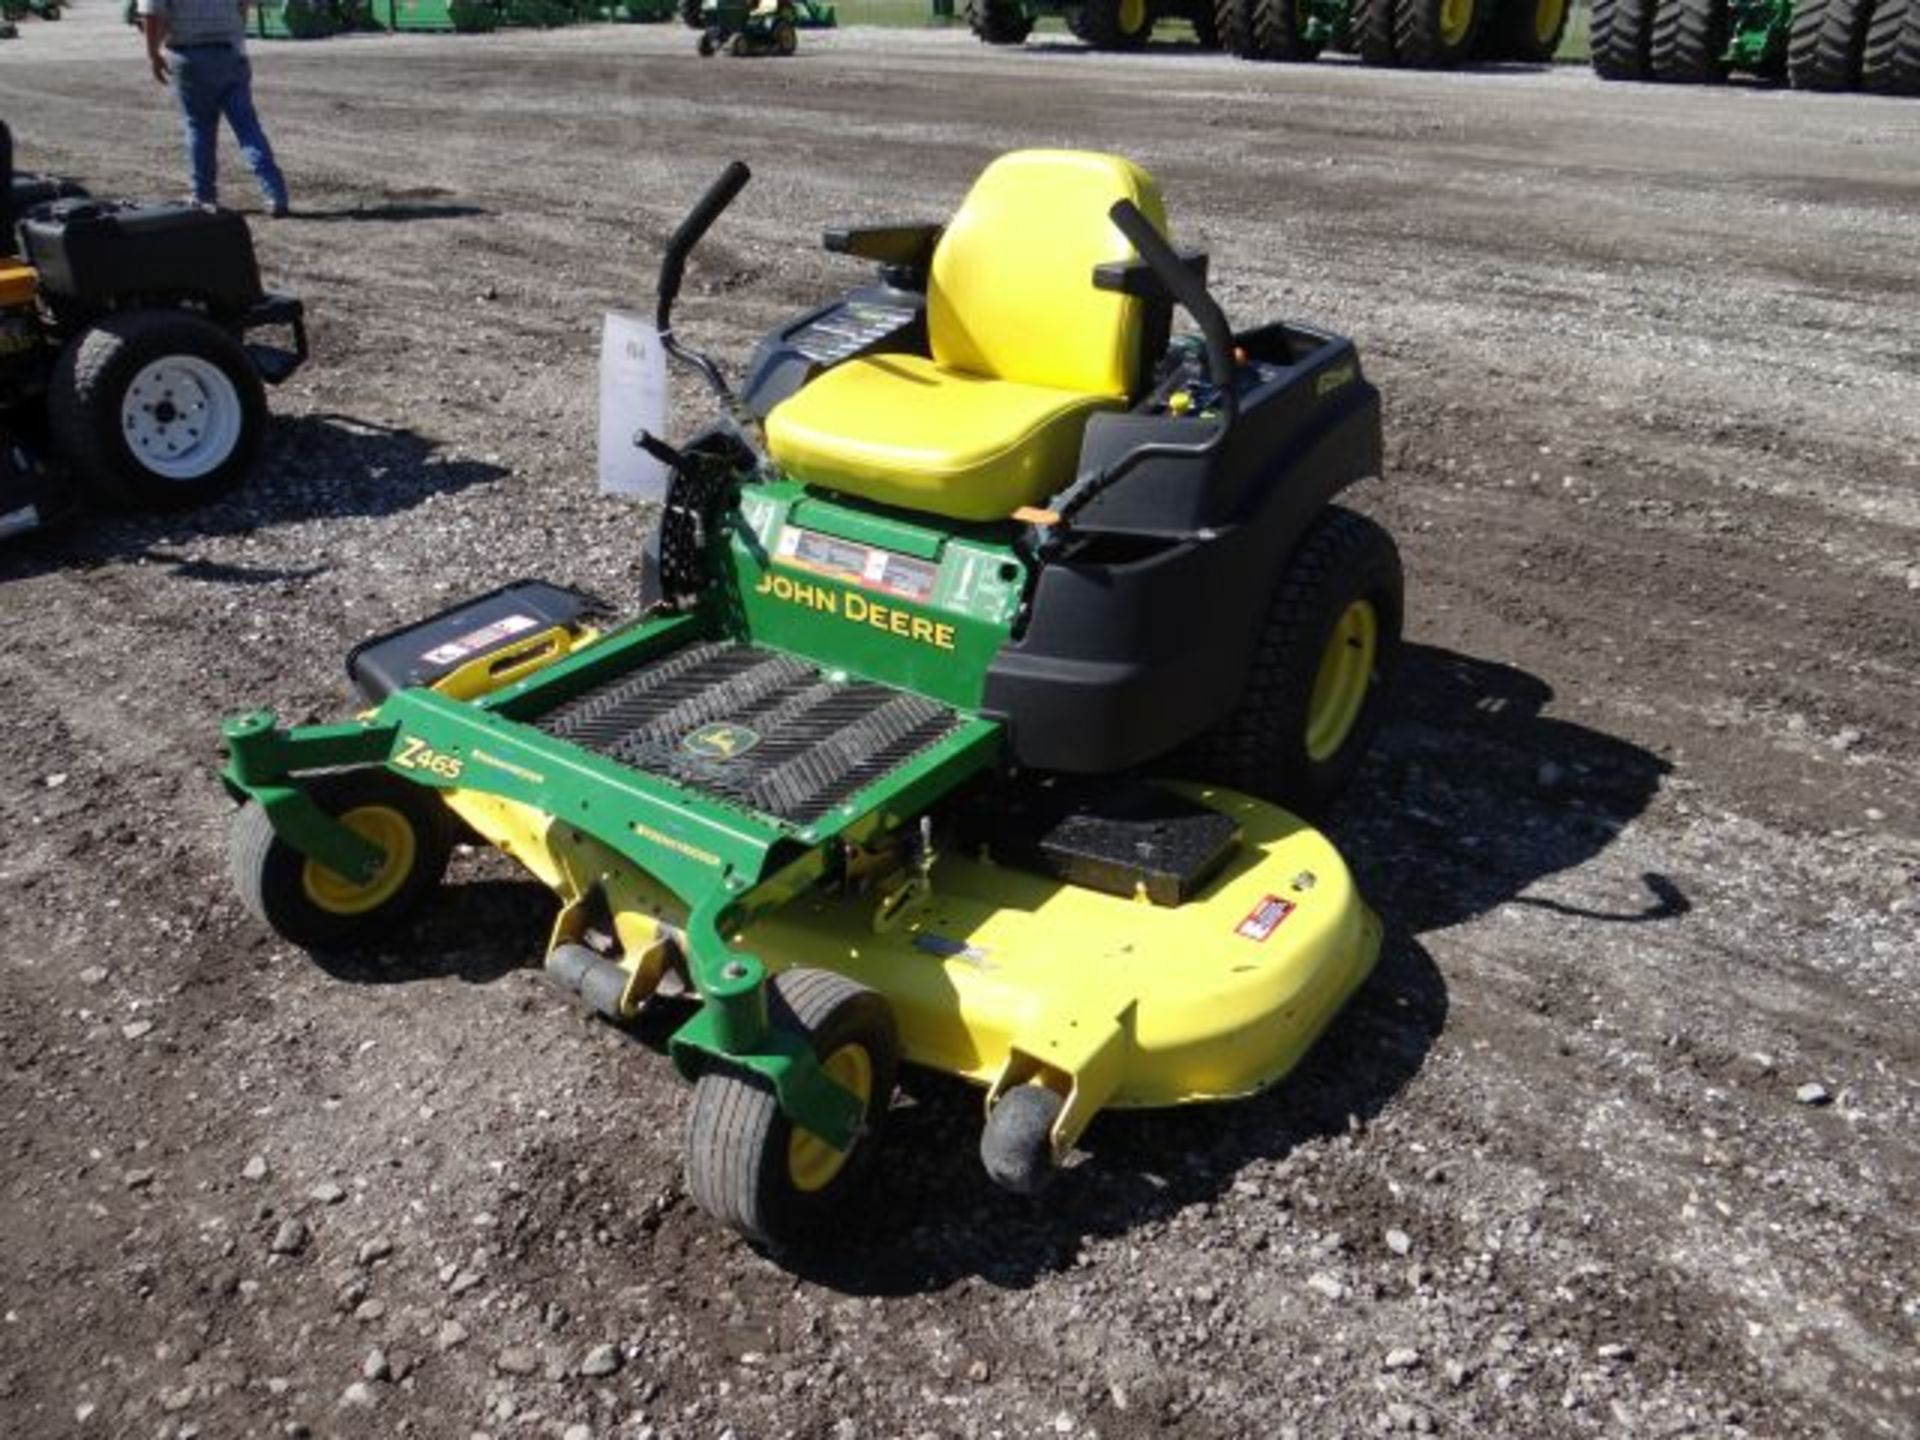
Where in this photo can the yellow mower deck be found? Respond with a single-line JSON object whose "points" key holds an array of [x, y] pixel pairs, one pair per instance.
{"points": [[1004, 977]]}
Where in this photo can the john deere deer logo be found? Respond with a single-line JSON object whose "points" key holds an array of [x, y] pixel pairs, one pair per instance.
{"points": [[719, 741]]}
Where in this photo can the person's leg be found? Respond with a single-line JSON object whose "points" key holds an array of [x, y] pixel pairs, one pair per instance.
{"points": [[199, 98], [237, 100]]}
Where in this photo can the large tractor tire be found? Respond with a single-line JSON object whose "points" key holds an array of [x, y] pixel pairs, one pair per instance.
{"points": [[1828, 44], [1528, 31], [1437, 34], [997, 22], [1890, 64], [1373, 32], [1323, 663], [1689, 39], [1233, 25], [1112, 24], [157, 409], [1621, 32], [1206, 28], [1279, 29]]}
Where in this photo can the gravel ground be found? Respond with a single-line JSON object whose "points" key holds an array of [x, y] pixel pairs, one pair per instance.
{"points": [[1620, 1140]]}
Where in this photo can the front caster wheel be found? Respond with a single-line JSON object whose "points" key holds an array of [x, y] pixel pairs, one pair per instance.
{"points": [[1017, 1145], [752, 1168], [309, 905]]}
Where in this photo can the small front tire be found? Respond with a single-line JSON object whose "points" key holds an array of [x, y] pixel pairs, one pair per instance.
{"points": [[752, 1168], [309, 905]]}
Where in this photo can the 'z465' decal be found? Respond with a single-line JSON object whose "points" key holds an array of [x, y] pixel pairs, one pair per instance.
{"points": [[416, 754]]}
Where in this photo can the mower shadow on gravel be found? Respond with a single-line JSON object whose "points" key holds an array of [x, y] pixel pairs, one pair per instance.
{"points": [[315, 467], [393, 212], [1472, 797]]}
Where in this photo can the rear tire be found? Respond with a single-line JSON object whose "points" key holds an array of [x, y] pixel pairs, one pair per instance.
{"points": [[1688, 39], [1206, 32], [1622, 31], [1526, 31], [1278, 31], [1233, 28], [308, 905], [1289, 737], [1112, 24], [998, 23], [1828, 44], [1373, 32], [157, 409], [747, 1165], [1436, 34], [1890, 61]]}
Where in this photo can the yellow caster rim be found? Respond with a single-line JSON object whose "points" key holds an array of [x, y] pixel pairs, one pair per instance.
{"points": [[1341, 682], [1456, 17], [1547, 15], [811, 1162], [380, 825], [1133, 16]]}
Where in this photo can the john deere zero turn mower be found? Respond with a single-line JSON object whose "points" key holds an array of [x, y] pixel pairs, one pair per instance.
{"points": [[976, 556], [126, 370]]}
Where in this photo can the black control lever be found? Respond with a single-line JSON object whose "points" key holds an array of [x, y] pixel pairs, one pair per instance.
{"points": [[1190, 291], [673, 266], [691, 231]]}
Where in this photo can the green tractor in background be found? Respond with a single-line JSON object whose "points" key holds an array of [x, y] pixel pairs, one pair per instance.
{"points": [[1871, 45], [1432, 34]]}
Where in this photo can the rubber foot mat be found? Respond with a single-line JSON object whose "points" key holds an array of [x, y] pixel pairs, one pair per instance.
{"points": [[754, 727]]}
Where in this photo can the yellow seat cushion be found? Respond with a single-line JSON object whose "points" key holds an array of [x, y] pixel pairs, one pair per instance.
{"points": [[901, 430], [1024, 346]]}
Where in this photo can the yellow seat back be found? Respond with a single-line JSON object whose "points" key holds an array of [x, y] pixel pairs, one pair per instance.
{"points": [[1011, 295]]}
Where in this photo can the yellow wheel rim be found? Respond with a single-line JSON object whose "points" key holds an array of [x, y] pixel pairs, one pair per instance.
{"points": [[1133, 16], [1340, 684], [1547, 15], [380, 825], [1455, 18], [812, 1162]]}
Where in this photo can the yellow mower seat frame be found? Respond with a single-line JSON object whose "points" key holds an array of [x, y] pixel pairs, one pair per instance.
{"points": [[1025, 350]]}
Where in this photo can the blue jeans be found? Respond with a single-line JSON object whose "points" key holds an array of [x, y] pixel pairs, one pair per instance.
{"points": [[214, 80]]}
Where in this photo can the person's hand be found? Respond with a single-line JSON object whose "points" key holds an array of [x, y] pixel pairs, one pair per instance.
{"points": [[161, 72]]}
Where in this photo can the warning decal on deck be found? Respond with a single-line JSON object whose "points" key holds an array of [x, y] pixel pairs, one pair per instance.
{"points": [[476, 640], [1264, 918]]}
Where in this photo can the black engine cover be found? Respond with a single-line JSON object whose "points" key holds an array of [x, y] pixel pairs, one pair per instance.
{"points": [[99, 252]]}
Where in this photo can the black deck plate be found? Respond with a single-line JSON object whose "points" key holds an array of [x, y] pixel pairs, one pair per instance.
{"points": [[758, 728], [1118, 835]]}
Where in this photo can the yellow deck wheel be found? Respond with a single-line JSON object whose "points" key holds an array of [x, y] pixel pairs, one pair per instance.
{"points": [[380, 825], [811, 1162], [1549, 16], [1341, 680], [1456, 18], [1133, 16]]}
